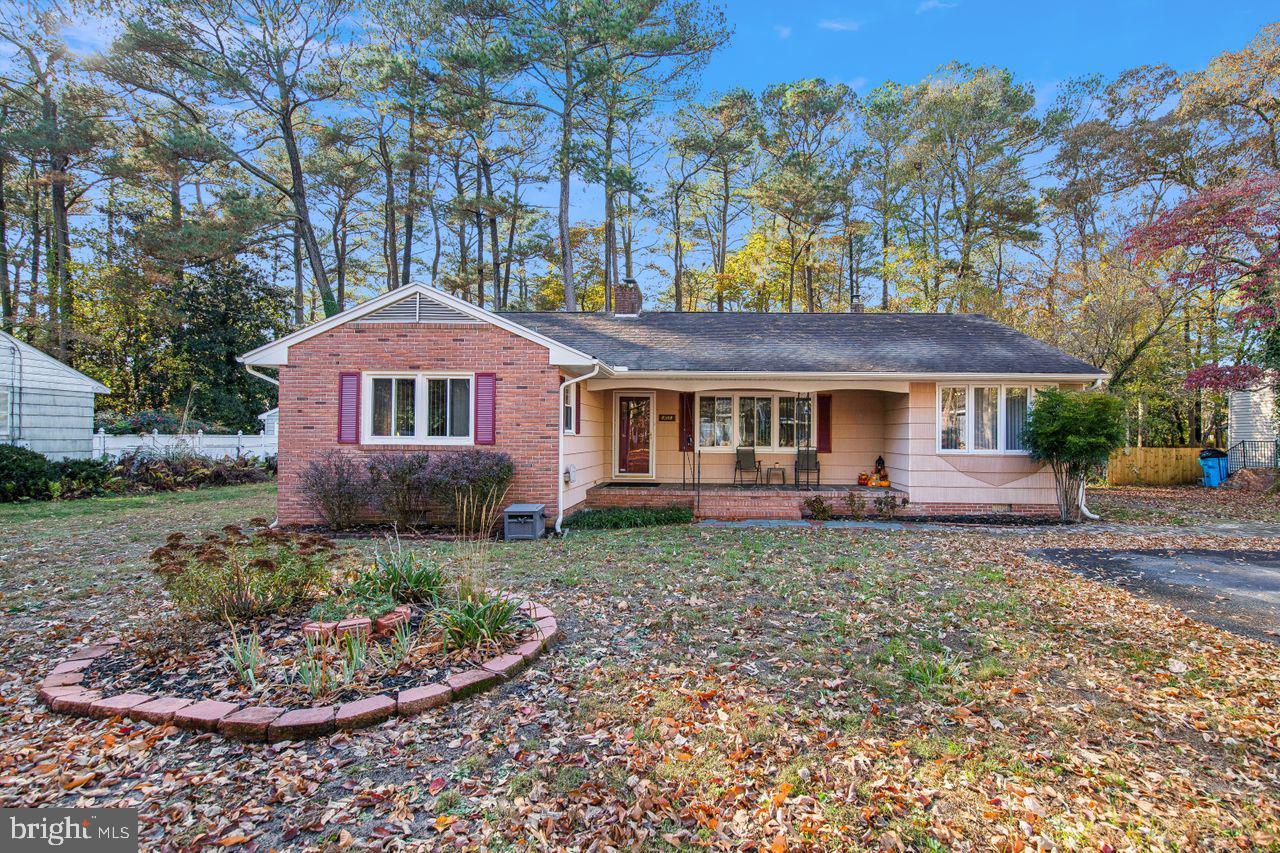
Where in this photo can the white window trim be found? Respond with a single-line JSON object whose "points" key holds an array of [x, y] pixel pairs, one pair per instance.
{"points": [[419, 439], [735, 430], [1032, 390], [575, 400]]}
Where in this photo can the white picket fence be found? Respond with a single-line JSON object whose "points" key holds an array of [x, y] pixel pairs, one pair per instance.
{"points": [[260, 445]]}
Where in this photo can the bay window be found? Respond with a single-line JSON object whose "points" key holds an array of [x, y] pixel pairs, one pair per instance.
{"points": [[984, 418], [417, 409]]}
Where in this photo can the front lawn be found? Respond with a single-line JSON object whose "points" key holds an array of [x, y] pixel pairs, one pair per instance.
{"points": [[759, 689]]}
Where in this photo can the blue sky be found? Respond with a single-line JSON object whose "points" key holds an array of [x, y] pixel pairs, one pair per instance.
{"points": [[865, 43]]}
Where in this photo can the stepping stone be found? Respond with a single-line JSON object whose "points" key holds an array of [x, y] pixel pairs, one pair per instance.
{"points": [[365, 712], [62, 679], [204, 715], [302, 724], [414, 700]]}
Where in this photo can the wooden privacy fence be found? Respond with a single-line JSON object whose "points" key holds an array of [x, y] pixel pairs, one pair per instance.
{"points": [[1154, 466]]}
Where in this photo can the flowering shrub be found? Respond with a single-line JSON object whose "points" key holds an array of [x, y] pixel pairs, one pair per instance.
{"points": [[234, 574], [149, 420]]}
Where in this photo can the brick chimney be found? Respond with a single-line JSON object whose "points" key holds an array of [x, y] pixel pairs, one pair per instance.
{"points": [[627, 298]]}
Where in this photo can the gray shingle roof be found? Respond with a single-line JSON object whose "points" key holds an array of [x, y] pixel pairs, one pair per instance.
{"points": [[804, 343]]}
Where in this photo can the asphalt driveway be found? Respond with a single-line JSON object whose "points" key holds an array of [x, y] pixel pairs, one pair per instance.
{"points": [[1236, 590]]}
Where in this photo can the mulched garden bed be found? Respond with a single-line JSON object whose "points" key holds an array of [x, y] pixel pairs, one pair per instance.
{"points": [[138, 672], [202, 669]]}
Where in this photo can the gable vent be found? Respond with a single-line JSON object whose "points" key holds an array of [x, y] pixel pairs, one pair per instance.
{"points": [[417, 309]]}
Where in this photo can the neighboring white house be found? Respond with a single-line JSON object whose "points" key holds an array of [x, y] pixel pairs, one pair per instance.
{"points": [[1251, 415], [45, 405], [270, 420]]}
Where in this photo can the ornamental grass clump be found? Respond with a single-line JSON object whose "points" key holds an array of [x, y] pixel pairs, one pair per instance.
{"points": [[237, 575], [479, 623]]}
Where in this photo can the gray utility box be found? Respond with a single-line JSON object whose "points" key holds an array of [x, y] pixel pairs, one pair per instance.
{"points": [[524, 521]]}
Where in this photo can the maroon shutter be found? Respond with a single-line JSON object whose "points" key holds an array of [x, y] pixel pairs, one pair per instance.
{"points": [[486, 398], [348, 408], [686, 421], [577, 409], [824, 423]]}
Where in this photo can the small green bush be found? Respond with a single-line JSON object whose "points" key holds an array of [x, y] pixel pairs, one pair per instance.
{"points": [[618, 518], [25, 474], [818, 508], [472, 623], [404, 576], [239, 575]]}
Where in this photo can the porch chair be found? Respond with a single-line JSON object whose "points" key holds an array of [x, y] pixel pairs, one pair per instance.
{"points": [[808, 465], [746, 465]]}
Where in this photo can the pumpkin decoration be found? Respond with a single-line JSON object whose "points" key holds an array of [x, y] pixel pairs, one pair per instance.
{"points": [[864, 479], [884, 481]]}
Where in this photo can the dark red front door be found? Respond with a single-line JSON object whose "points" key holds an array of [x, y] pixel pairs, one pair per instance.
{"points": [[634, 431]]}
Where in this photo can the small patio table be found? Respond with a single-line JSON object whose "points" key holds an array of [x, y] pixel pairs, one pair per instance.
{"points": [[775, 469]]}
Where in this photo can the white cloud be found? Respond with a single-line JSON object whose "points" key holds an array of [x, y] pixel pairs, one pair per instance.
{"points": [[784, 32], [930, 5], [843, 25], [857, 83]]}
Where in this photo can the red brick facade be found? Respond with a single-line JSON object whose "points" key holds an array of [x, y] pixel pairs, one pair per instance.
{"points": [[526, 411]]}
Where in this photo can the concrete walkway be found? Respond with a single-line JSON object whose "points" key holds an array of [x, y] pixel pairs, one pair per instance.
{"points": [[1259, 529]]}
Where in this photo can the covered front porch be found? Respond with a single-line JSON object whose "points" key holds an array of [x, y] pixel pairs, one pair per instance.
{"points": [[735, 448]]}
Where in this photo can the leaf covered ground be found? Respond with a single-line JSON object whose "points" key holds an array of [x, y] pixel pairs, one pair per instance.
{"points": [[732, 689], [1182, 504]]}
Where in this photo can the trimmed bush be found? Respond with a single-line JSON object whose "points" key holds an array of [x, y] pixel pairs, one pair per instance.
{"points": [[473, 482], [622, 517], [399, 485], [25, 474], [1074, 432], [338, 487]]}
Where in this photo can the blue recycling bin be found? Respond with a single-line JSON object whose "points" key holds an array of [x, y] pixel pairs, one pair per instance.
{"points": [[1214, 464]]}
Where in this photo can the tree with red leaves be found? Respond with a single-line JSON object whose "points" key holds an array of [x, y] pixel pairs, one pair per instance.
{"points": [[1227, 239]]}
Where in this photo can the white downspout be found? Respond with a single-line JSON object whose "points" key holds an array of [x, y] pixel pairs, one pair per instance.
{"points": [[560, 429], [264, 377], [1084, 510]]}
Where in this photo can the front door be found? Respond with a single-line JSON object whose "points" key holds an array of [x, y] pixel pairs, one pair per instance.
{"points": [[635, 433]]}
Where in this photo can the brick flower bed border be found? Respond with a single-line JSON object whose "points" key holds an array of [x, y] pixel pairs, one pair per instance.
{"points": [[61, 690]]}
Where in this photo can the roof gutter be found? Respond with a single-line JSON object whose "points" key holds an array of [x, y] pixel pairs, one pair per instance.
{"points": [[595, 371]]}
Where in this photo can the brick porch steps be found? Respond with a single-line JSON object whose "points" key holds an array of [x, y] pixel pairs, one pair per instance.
{"points": [[727, 502]]}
